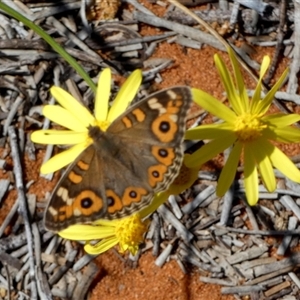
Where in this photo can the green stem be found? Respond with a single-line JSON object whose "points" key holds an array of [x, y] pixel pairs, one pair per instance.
{"points": [[55, 46]]}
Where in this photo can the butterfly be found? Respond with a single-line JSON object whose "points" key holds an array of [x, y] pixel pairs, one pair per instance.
{"points": [[138, 155]]}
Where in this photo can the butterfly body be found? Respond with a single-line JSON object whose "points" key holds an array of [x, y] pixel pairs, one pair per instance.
{"points": [[138, 155]]}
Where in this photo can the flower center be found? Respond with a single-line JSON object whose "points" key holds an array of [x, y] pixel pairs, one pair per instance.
{"points": [[130, 231], [102, 124], [248, 127]]}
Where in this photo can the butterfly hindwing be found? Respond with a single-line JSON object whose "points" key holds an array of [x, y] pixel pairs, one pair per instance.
{"points": [[78, 197]]}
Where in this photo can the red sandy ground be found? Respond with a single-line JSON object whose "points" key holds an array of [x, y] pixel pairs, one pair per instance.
{"points": [[150, 282]]}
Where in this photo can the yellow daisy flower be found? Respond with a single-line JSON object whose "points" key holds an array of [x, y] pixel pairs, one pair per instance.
{"points": [[249, 131], [77, 118], [128, 232]]}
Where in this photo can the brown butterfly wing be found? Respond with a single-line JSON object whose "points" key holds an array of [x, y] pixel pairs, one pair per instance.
{"points": [[139, 155], [78, 196], [149, 135]]}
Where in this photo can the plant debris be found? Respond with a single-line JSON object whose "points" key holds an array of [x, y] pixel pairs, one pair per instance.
{"points": [[247, 250]]}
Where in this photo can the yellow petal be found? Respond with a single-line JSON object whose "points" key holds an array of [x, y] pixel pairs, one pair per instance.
{"points": [[261, 155], [101, 247], [213, 105], [73, 106], [257, 93], [250, 176], [102, 95], [58, 137], [283, 163], [126, 94], [280, 119], [228, 172], [157, 201], [243, 103], [208, 132], [63, 117], [264, 66], [264, 104], [230, 89], [62, 159], [267, 174], [83, 232], [103, 222], [209, 150], [287, 134]]}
